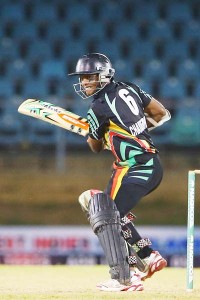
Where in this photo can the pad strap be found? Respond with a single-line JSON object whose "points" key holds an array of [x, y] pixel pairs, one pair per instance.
{"points": [[132, 260], [124, 222], [141, 244]]}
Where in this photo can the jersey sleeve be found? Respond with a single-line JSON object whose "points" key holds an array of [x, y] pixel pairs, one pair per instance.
{"points": [[145, 97], [97, 124]]}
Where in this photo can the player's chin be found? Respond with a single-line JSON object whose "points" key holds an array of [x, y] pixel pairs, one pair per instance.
{"points": [[89, 92]]}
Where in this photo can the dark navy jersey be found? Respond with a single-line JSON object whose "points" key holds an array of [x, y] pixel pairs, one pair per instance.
{"points": [[117, 115]]}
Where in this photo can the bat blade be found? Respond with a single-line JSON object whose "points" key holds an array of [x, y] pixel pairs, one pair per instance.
{"points": [[55, 115]]}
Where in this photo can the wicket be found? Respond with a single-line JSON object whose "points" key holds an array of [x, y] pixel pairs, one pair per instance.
{"points": [[190, 228]]}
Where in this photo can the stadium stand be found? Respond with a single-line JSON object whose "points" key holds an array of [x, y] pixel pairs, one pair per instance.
{"points": [[176, 49], [18, 70], [40, 50], [60, 31], [43, 12], [160, 31], [42, 134], [98, 31], [186, 125], [172, 88], [191, 31], [153, 43], [35, 89], [149, 9], [179, 11], [11, 12], [188, 70], [79, 12], [11, 132], [53, 69], [156, 70], [161, 136], [25, 31], [8, 49]]}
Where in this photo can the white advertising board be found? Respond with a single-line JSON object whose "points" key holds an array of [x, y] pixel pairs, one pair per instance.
{"points": [[78, 244]]}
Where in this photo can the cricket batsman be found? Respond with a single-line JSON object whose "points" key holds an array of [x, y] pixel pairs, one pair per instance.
{"points": [[120, 118]]}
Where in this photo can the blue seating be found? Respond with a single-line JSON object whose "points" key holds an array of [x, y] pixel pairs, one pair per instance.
{"points": [[146, 11], [8, 49], [2, 32], [18, 69], [110, 11], [35, 89], [124, 71], [59, 31], [161, 135], [25, 31], [11, 132], [191, 31], [186, 126], [155, 70], [53, 69], [176, 49], [197, 90], [11, 12], [160, 30], [73, 49], [188, 70], [172, 89], [74, 140], [126, 31], [40, 50], [11, 107], [143, 50], [6, 88], [80, 107], [69, 88], [96, 32], [78, 12], [178, 12], [109, 48], [42, 134], [43, 12]]}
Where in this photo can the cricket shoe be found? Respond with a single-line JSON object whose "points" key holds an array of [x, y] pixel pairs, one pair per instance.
{"points": [[113, 285], [154, 263]]}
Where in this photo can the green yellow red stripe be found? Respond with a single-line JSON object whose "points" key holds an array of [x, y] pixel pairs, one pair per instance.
{"points": [[117, 179]]}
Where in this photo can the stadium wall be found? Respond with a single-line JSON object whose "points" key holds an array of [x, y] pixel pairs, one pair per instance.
{"points": [[77, 245]]}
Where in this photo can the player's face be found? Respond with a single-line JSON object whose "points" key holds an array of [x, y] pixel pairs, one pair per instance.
{"points": [[89, 83]]}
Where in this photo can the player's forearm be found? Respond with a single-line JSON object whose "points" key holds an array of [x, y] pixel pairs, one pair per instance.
{"points": [[153, 123], [155, 110], [156, 114]]}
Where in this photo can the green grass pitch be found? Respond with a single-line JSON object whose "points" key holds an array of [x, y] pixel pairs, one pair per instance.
{"points": [[79, 282]]}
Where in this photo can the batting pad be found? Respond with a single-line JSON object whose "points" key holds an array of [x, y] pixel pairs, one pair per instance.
{"points": [[105, 221]]}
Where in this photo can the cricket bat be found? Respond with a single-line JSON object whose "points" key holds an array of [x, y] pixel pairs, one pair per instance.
{"points": [[55, 115]]}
